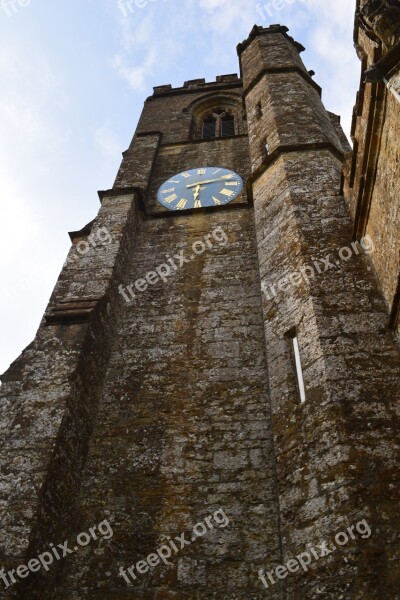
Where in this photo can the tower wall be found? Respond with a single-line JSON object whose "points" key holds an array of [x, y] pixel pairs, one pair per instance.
{"points": [[155, 408], [49, 395], [178, 423], [337, 454]]}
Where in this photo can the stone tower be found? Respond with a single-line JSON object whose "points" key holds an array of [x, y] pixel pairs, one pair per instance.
{"points": [[217, 385]]}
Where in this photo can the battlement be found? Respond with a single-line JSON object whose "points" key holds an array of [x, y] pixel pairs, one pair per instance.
{"points": [[231, 79], [259, 30]]}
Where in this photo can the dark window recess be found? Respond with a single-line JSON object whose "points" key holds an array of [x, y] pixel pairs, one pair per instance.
{"points": [[227, 126], [209, 128]]}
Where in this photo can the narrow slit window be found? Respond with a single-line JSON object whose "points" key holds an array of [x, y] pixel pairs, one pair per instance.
{"points": [[299, 369], [227, 125], [209, 128]]}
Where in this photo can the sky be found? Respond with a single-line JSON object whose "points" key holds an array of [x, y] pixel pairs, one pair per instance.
{"points": [[74, 75]]}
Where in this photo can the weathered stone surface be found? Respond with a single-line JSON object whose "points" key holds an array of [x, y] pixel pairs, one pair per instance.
{"points": [[344, 439], [372, 182], [155, 413]]}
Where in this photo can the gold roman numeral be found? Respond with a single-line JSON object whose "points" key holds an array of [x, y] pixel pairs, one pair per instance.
{"points": [[216, 201], [232, 183], [217, 171], [174, 181], [182, 203], [186, 175], [168, 191], [227, 176], [170, 198], [201, 171], [228, 193]]}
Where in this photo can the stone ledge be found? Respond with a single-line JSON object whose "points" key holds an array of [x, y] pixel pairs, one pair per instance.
{"points": [[291, 148], [71, 312], [279, 70]]}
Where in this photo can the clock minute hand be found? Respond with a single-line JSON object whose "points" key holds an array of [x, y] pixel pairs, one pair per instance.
{"points": [[207, 181]]}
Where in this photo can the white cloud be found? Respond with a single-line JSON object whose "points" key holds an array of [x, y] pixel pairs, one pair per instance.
{"points": [[225, 13], [134, 75]]}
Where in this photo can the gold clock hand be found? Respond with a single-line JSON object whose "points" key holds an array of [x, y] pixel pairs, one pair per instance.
{"points": [[207, 181], [196, 194]]}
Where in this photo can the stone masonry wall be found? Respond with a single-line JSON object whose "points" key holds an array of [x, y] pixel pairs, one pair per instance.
{"points": [[49, 398], [169, 396], [338, 453], [371, 176], [155, 413], [184, 426]]}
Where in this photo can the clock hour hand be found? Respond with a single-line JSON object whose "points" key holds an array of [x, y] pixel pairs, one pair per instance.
{"points": [[196, 194], [207, 181]]}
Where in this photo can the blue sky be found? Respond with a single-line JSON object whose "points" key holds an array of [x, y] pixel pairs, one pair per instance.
{"points": [[73, 77]]}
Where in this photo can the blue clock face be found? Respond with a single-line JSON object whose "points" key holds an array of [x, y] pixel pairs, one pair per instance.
{"points": [[200, 188]]}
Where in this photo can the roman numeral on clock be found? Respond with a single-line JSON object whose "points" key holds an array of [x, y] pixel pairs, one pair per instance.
{"points": [[216, 201], [170, 198], [228, 193], [181, 204]]}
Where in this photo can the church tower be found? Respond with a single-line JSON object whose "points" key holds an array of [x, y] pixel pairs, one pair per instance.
{"points": [[210, 408]]}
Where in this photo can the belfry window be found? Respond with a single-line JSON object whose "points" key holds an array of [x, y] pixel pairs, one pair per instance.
{"points": [[227, 125], [219, 123], [210, 128]]}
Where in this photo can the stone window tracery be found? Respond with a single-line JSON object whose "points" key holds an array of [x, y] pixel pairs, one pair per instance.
{"points": [[218, 123], [217, 116]]}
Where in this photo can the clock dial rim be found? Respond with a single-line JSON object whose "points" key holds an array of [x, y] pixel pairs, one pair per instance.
{"points": [[180, 192]]}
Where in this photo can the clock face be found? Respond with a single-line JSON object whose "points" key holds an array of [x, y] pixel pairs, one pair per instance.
{"points": [[200, 188]]}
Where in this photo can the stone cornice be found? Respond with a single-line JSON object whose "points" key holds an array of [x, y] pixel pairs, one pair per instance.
{"points": [[279, 70]]}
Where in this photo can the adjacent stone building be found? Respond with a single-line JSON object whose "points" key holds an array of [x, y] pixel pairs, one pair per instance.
{"points": [[228, 358], [372, 185]]}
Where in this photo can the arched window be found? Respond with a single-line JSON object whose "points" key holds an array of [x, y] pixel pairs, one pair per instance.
{"points": [[218, 123], [227, 125], [209, 128]]}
